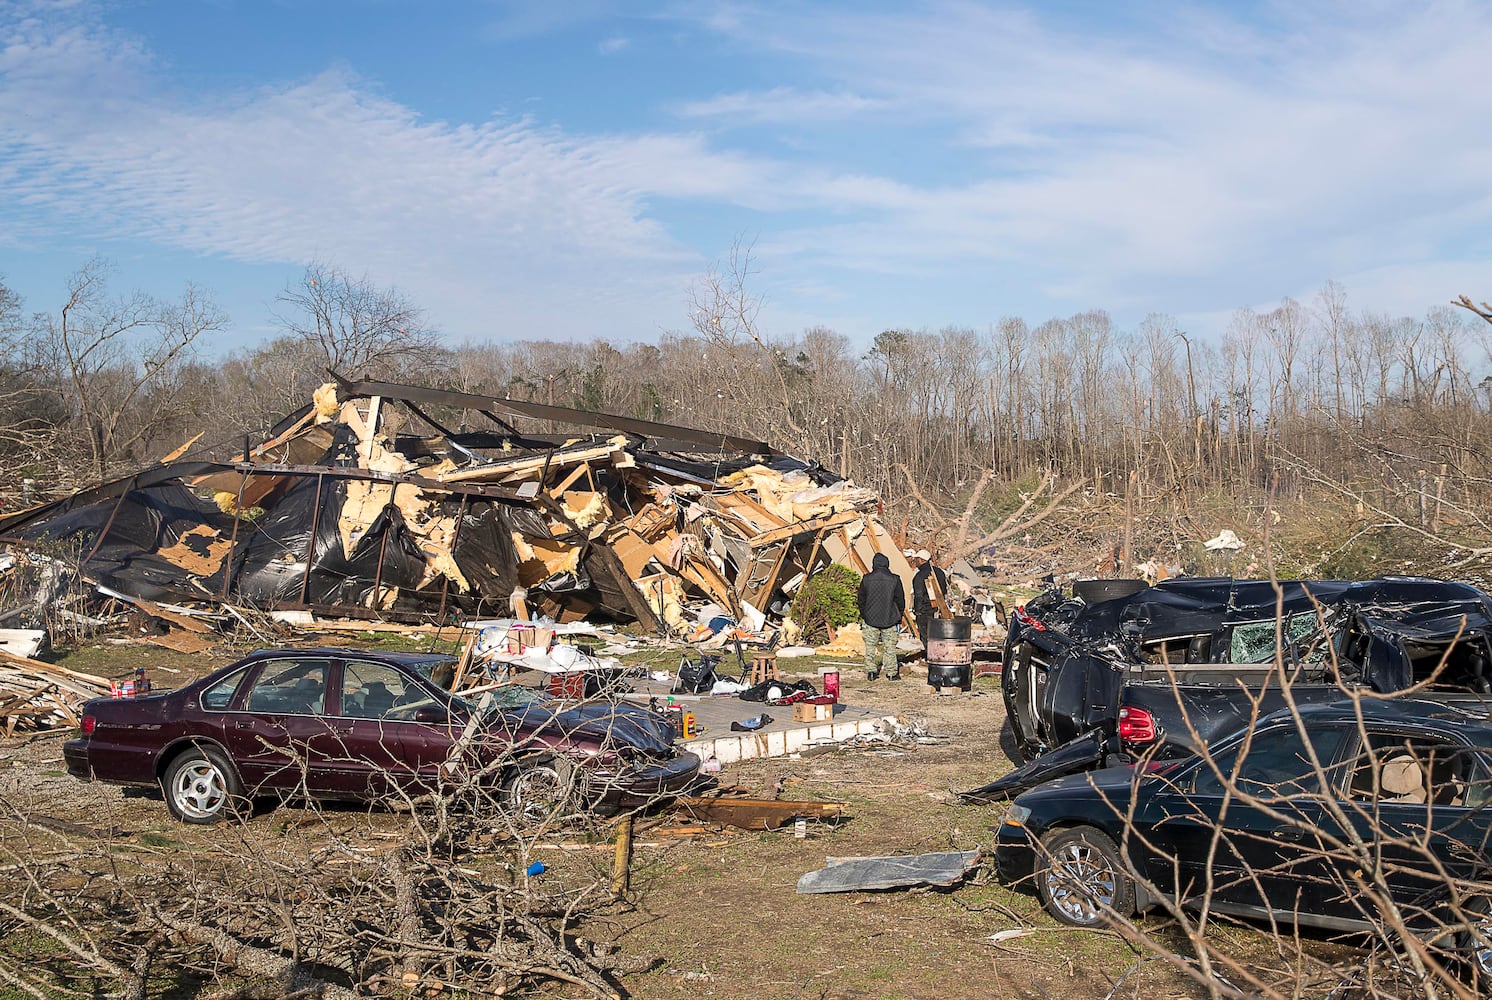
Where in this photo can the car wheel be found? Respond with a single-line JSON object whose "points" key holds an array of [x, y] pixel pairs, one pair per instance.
{"points": [[200, 786], [1475, 944], [1082, 881], [538, 789]]}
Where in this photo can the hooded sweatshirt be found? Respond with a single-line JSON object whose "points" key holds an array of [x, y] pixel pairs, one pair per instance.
{"points": [[881, 600]]}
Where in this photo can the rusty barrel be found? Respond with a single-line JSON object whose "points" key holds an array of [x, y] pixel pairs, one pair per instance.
{"points": [[950, 653]]}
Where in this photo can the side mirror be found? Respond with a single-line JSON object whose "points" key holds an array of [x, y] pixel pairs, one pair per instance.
{"points": [[430, 713]]}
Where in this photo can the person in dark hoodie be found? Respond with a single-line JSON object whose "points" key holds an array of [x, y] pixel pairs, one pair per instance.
{"points": [[882, 603]]}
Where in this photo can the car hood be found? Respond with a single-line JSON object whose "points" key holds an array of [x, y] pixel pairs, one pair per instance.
{"points": [[612, 724]]}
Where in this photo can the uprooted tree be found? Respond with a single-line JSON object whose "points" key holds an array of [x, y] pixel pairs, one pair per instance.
{"points": [[424, 891]]}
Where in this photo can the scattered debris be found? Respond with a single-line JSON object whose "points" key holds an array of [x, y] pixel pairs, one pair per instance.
{"points": [[364, 505], [36, 695], [856, 874], [756, 814]]}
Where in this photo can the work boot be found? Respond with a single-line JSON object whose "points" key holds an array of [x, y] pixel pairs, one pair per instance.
{"points": [[893, 677], [871, 675]]}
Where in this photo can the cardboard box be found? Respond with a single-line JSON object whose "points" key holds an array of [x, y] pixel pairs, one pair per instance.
{"points": [[807, 711]]}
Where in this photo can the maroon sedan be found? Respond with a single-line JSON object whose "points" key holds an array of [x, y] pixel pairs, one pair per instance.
{"points": [[352, 724]]}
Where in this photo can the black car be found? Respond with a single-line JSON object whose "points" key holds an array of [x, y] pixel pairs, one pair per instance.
{"points": [[1384, 801]]}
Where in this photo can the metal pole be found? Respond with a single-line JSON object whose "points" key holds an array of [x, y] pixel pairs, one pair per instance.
{"points": [[445, 587], [107, 525], [305, 580], [383, 547], [243, 481]]}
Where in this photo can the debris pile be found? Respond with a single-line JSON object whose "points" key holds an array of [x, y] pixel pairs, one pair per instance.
{"points": [[36, 695], [366, 505]]}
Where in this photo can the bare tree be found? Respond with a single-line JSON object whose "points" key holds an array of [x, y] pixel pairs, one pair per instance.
{"points": [[353, 327], [117, 362]]}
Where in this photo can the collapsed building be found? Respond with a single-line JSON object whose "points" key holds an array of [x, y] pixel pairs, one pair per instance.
{"points": [[365, 504]]}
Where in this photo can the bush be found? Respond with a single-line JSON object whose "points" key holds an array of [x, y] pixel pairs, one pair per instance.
{"points": [[826, 599]]}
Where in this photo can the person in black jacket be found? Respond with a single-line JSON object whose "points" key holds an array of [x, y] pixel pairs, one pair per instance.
{"points": [[882, 603], [922, 596]]}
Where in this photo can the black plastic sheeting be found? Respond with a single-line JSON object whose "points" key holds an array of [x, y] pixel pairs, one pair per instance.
{"points": [[138, 524], [272, 556], [1194, 605]]}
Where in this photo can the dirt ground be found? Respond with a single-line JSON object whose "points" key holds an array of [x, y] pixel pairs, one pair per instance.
{"points": [[716, 915]]}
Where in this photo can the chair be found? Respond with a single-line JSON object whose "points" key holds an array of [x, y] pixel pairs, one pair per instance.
{"points": [[1402, 779], [304, 698], [377, 699], [763, 667]]}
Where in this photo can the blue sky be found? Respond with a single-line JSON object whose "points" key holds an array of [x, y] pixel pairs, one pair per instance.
{"points": [[566, 169]]}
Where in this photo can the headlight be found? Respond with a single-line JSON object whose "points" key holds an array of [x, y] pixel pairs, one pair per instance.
{"points": [[1017, 815]]}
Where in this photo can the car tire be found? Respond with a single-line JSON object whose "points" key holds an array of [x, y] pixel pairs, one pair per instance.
{"points": [[539, 789], [1475, 946], [201, 786], [1081, 880]]}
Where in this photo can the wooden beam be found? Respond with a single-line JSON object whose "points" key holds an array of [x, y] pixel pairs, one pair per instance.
{"points": [[804, 527], [756, 814]]}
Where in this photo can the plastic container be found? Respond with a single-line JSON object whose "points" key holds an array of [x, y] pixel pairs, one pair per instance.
{"points": [[829, 680], [537, 868]]}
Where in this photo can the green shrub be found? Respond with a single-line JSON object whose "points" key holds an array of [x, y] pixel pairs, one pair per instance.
{"points": [[826, 599]]}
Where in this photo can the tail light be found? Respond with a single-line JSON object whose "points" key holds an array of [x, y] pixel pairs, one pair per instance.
{"points": [[89, 723], [1136, 726]]}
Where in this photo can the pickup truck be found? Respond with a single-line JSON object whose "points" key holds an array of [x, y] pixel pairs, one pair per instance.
{"points": [[1162, 670]]}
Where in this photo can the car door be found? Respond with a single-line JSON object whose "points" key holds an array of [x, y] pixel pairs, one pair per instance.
{"points": [[281, 730], [1248, 835], [397, 732], [1419, 801]]}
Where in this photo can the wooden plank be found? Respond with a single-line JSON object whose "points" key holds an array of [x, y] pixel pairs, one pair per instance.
{"points": [[804, 527], [559, 458], [583, 469], [52, 669], [182, 642], [773, 519], [756, 814], [165, 614]]}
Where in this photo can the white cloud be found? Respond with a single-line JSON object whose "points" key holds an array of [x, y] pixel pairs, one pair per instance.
{"points": [[1181, 160], [502, 218], [1313, 145], [781, 105]]}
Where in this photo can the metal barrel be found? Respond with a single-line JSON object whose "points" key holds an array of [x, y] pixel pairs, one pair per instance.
{"points": [[950, 653]]}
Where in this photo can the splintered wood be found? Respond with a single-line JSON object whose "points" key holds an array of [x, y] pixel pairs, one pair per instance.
{"points": [[346, 513], [36, 695]]}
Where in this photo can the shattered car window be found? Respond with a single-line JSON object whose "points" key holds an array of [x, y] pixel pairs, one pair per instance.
{"points": [[515, 696], [1254, 642]]}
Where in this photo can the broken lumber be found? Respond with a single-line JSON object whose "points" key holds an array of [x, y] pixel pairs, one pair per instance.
{"points": [[756, 814]]}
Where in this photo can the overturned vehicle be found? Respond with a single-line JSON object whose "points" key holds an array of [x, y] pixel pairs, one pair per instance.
{"points": [[1159, 671]]}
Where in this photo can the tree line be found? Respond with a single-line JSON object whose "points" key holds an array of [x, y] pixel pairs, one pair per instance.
{"points": [[1386, 417]]}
